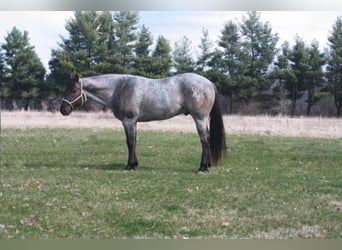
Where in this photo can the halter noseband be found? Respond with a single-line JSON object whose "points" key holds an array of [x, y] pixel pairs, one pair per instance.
{"points": [[83, 97]]}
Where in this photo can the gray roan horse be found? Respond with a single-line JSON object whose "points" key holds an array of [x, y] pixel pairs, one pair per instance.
{"points": [[137, 99]]}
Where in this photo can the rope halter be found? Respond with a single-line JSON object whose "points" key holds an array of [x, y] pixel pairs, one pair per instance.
{"points": [[82, 96]]}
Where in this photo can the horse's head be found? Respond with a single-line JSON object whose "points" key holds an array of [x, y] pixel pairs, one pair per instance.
{"points": [[74, 96]]}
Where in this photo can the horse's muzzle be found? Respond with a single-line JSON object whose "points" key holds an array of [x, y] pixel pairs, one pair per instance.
{"points": [[65, 109]]}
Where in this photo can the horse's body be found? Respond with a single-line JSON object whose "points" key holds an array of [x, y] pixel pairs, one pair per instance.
{"points": [[137, 99]]}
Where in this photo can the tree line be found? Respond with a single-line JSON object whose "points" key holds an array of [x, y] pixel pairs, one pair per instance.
{"points": [[245, 64]]}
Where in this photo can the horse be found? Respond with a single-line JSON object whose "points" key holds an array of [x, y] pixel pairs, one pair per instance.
{"points": [[135, 99]]}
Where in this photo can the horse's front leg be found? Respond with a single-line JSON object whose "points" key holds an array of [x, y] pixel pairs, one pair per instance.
{"points": [[131, 140]]}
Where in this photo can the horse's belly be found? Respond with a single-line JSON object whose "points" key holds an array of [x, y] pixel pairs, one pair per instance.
{"points": [[159, 113]]}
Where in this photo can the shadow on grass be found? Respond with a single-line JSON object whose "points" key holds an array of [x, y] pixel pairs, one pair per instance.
{"points": [[114, 166], [107, 166], [120, 167]]}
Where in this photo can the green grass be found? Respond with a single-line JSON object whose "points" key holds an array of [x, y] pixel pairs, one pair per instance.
{"points": [[60, 183]]}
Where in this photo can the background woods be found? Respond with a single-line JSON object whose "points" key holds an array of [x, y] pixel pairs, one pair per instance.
{"points": [[253, 72]]}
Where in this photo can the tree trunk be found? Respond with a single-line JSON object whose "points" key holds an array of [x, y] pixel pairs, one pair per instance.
{"points": [[230, 106], [293, 100], [27, 103], [338, 102], [338, 108], [310, 100]]}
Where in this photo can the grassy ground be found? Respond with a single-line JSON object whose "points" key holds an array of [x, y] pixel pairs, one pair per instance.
{"points": [[68, 183]]}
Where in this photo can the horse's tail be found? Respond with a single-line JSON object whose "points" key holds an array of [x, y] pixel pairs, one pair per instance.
{"points": [[218, 146]]}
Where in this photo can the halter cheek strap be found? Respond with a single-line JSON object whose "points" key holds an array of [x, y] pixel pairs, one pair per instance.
{"points": [[83, 97]]}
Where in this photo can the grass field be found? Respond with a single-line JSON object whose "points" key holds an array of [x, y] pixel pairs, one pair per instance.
{"points": [[68, 183]]}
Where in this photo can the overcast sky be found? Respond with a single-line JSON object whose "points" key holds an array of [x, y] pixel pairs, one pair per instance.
{"points": [[45, 28]]}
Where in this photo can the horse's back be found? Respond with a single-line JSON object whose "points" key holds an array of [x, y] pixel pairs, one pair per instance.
{"points": [[187, 93], [158, 99]]}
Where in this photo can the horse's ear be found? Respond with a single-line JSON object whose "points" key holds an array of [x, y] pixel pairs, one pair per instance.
{"points": [[77, 78]]}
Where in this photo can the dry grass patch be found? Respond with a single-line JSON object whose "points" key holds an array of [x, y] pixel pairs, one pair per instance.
{"points": [[256, 125]]}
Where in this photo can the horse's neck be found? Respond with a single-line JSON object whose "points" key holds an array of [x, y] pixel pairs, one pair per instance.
{"points": [[96, 98], [99, 91]]}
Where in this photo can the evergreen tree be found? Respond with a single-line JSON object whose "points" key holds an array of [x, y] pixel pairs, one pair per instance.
{"points": [[299, 58], [161, 58], [206, 47], [145, 40], [282, 75], [23, 71], [3, 90], [298, 70], [85, 51], [225, 63], [231, 47], [258, 48], [316, 61], [85, 47], [82, 41], [2, 68], [125, 26], [182, 56], [335, 64], [62, 68], [231, 65], [104, 47], [247, 50], [143, 58]]}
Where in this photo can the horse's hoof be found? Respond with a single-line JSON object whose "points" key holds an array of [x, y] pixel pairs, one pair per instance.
{"points": [[203, 170], [128, 169], [131, 167]]}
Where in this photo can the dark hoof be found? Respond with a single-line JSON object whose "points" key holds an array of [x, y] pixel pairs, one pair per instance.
{"points": [[203, 170], [131, 166]]}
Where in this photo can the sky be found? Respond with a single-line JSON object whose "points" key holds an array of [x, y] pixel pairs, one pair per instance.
{"points": [[45, 28]]}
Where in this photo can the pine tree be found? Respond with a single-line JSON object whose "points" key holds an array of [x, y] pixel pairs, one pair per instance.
{"points": [[62, 68], [231, 55], [2, 67], [161, 58], [258, 48], [300, 66], [182, 56], [316, 61], [23, 72], [335, 64], [231, 46], [3, 90], [142, 50], [247, 51], [226, 63], [282, 75], [85, 51], [125, 26], [82, 41], [80, 51], [206, 50], [104, 46]]}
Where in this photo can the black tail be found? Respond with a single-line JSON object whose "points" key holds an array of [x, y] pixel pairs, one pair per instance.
{"points": [[218, 146]]}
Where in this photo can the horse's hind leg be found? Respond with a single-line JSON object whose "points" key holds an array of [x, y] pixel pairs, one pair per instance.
{"points": [[203, 132], [131, 140]]}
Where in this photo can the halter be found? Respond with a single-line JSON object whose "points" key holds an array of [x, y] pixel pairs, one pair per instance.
{"points": [[83, 97]]}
